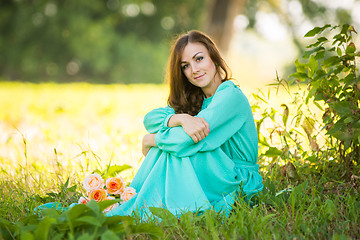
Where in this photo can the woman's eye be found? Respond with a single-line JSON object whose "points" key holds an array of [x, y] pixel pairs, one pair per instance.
{"points": [[184, 66], [199, 58]]}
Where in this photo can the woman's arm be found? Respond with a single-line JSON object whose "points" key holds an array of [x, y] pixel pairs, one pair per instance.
{"points": [[226, 114], [147, 143], [158, 119], [197, 128]]}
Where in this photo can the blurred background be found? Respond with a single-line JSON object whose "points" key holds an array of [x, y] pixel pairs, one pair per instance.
{"points": [[127, 41]]}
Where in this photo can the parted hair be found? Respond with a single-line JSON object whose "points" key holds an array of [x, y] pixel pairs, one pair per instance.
{"points": [[185, 97]]}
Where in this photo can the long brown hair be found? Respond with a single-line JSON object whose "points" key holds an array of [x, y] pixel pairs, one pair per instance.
{"points": [[185, 97]]}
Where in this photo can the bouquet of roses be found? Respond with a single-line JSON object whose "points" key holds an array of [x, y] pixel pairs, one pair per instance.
{"points": [[100, 190]]}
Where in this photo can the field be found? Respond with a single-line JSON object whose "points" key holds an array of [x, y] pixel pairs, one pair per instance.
{"points": [[51, 133]]}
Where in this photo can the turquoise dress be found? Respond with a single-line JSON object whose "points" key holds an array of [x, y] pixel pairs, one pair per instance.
{"points": [[182, 176]]}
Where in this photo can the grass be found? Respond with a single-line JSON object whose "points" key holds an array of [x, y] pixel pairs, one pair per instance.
{"points": [[52, 135]]}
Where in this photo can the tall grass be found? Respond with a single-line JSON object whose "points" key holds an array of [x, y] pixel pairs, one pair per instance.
{"points": [[53, 135]]}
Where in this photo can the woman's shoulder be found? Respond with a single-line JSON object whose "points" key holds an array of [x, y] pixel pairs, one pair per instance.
{"points": [[230, 87]]}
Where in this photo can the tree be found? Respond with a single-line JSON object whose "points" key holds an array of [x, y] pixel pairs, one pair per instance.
{"points": [[219, 24]]}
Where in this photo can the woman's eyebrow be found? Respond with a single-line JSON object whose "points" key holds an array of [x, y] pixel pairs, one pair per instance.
{"points": [[192, 56], [196, 54]]}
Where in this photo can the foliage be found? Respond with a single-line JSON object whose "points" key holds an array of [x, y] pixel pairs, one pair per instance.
{"points": [[289, 135], [80, 222], [113, 41], [333, 78], [307, 211], [317, 131]]}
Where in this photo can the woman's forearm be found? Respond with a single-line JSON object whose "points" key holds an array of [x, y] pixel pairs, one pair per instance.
{"points": [[148, 142], [177, 119], [197, 128]]}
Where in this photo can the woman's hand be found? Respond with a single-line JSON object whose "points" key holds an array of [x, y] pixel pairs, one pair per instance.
{"points": [[197, 128], [148, 142]]}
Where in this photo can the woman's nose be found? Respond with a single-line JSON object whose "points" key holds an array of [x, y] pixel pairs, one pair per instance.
{"points": [[194, 68]]}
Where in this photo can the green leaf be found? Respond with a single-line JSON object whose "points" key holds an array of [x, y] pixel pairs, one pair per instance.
{"points": [[312, 159], [94, 206], [50, 212], [300, 66], [320, 55], [7, 229], [339, 52], [300, 76], [257, 97], [331, 61], [168, 218], [339, 38], [307, 54], [348, 120], [43, 228], [58, 236], [345, 28], [90, 220], [109, 235], [318, 105], [85, 236], [78, 210], [341, 132], [118, 219], [147, 228], [66, 184], [350, 49], [321, 41], [25, 235], [273, 152], [115, 169], [316, 30], [106, 203], [285, 115], [313, 89], [313, 66], [342, 108], [319, 74], [313, 32]]}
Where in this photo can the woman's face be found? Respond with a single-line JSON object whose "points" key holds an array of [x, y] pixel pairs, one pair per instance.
{"points": [[198, 67]]}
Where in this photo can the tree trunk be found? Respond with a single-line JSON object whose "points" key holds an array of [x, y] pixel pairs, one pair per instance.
{"points": [[220, 19]]}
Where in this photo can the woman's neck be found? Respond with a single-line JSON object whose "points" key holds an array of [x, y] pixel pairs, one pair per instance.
{"points": [[210, 89]]}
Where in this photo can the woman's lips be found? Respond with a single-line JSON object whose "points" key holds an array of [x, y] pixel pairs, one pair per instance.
{"points": [[200, 76]]}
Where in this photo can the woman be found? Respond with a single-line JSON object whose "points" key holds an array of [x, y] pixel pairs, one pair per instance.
{"points": [[201, 150]]}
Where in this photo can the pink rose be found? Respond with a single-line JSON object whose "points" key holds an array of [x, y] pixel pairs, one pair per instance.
{"points": [[83, 200], [93, 181], [115, 185], [128, 193], [97, 194], [112, 206]]}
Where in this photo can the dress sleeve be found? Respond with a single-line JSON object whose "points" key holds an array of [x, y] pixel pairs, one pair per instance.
{"points": [[158, 119], [226, 114]]}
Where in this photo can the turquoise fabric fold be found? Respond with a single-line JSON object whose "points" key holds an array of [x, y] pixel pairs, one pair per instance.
{"points": [[182, 176]]}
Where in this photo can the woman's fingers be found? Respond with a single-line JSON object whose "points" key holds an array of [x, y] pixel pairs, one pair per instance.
{"points": [[197, 128], [206, 124], [199, 134]]}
